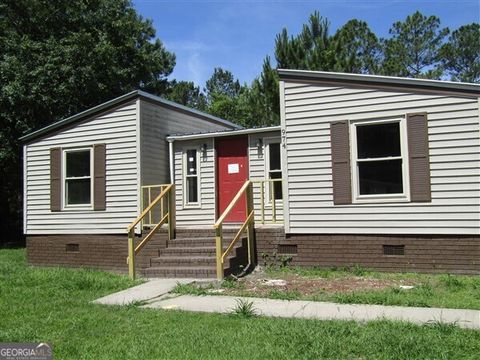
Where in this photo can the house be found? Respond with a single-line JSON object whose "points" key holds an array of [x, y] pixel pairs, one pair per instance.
{"points": [[375, 171], [83, 176]]}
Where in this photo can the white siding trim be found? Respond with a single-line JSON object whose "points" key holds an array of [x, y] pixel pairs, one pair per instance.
{"points": [[63, 179], [199, 156], [25, 189], [171, 163], [267, 141], [215, 189], [284, 151], [356, 197], [138, 141]]}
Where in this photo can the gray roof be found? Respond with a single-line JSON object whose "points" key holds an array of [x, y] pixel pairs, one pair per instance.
{"points": [[378, 80], [119, 100], [220, 133]]}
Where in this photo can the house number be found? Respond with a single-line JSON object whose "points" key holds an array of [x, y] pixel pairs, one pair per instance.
{"points": [[284, 138]]}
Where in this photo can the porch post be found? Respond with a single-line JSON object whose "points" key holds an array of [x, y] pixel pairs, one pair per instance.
{"points": [[171, 213], [131, 253], [219, 251], [251, 224]]}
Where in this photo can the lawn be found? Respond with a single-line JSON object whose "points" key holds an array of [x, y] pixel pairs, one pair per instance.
{"points": [[352, 286], [53, 305]]}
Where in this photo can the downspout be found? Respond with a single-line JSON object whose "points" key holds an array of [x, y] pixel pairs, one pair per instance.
{"points": [[171, 165]]}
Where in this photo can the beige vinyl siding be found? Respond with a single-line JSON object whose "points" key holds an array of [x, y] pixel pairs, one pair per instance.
{"points": [[204, 213], [116, 129], [454, 147], [156, 123], [258, 171]]}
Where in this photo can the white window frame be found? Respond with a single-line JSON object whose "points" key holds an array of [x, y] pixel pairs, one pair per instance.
{"points": [[187, 204], [66, 206], [401, 197], [267, 141]]}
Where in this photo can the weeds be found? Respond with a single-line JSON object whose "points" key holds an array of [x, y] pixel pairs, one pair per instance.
{"points": [[244, 308], [276, 261], [191, 289], [135, 304], [452, 282], [229, 283]]}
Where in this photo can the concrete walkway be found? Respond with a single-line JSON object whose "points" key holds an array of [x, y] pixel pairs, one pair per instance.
{"points": [[155, 293], [321, 310], [149, 290]]}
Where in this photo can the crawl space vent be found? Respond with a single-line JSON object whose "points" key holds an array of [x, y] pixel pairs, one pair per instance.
{"points": [[72, 248], [287, 249], [394, 250]]}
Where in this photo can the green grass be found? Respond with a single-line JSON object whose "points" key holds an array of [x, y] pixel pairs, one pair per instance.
{"points": [[53, 305]]}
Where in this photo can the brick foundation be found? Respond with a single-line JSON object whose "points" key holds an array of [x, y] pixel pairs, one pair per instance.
{"points": [[107, 252], [422, 253]]}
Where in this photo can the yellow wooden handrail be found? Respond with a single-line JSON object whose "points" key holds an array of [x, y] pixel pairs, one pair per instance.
{"points": [[237, 236], [234, 201], [248, 225], [169, 217], [149, 207], [271, 199], [147, 189]]}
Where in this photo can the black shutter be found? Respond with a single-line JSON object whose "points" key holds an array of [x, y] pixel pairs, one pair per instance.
{"points": [[99, 184], [419, 161], [56, 179], [341, 172]]}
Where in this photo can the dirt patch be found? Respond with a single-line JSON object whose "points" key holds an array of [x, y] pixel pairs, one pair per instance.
{"points": [[262, 284]]}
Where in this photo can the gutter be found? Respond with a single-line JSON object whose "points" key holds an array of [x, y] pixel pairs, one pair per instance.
{"points": [[223, 133]]}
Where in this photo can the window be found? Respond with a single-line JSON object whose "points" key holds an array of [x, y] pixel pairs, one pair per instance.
{"points": [[191, 177], [274, 168], [379, 159], [77, 177]]}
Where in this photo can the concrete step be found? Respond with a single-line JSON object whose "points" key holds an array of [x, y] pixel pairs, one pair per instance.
{"points": [[189, 251], [205, 232], [198, 242], [180, 272], [193, 254], [186, 261], [194, 242]]}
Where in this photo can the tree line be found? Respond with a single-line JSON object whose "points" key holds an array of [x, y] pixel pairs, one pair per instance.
{"points": [[418, 47], [60, 57]]}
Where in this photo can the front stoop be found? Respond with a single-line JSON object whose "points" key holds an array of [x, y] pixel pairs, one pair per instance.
{"points": [[192, 254]]}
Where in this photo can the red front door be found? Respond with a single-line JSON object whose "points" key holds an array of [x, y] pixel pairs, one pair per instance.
{"points": [[232, 172]]}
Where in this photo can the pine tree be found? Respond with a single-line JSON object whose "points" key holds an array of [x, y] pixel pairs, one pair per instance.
{"points": [[412, 50], [461, 55], [356, 48]]}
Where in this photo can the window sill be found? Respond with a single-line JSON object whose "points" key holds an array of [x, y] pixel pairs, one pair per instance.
{"points": [[381, 199], [79, 208], [192, 206]]}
